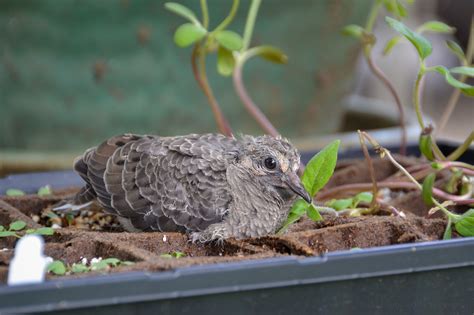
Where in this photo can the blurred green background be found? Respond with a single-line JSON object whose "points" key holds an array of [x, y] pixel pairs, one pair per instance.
{"points": [[73, 73]]}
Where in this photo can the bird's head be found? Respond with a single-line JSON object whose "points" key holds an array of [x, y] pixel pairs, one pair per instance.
{"points": [[272, 163]]}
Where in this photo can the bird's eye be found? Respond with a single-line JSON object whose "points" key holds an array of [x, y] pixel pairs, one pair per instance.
{"points": [[270, 163]]}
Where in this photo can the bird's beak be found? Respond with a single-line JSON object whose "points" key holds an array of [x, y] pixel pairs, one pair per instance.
{"points": [[294, 183]]}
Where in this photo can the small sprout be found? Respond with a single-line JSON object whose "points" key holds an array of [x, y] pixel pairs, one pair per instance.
{"points": [[353, 30], [45, 191], [350, 203], [229, 40], [12, 192], [271, 54], [225, 61], [390, 44], [456, 50], [79, 268], [18, 226], [425, 143], [182, 11], [427, 189], [57, 267], [437, 27], [465, 224]]}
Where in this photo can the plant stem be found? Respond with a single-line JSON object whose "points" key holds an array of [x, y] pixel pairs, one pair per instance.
{"points": [[373, 204], [253, 109], [205, 14], [249, 25], [374, 12], [416, 95], [462, 148], [229, 18], [379, 74], [453, 99], [199, 72]]}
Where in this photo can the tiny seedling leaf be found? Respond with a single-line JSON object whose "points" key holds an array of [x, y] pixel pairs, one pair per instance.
{"points": [[340, 204], [45, 191], [427, 192], [353, 30], [436, 26], [395, 7], [187, 34], [7, 233], [229, 39], [100, 265], [166, 256], [390, 44], [12, 192], [182, 11], [178, 254], [422, 45], [2, 228], [225, 61], [127, 263], [17, 225], [465, 226], [296, 212], [57, 267], [111, 261], [465, 88], [363, 197], [271, 54], [467, 71], [43, 231], [79, 268], [456, 49], [320, 168], [313, 213]]}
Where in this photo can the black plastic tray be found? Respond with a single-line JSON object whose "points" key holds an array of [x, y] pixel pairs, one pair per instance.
{"points": [[424, 278]]}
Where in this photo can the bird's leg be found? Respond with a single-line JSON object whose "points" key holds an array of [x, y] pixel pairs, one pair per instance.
{"points": [[215, 232]]}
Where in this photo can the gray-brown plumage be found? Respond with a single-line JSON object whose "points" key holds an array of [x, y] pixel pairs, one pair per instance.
{"points": [[212, 185]]}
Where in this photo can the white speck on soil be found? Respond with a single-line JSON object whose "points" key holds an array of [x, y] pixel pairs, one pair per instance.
{"points": [[165, 238], [56, 226]]}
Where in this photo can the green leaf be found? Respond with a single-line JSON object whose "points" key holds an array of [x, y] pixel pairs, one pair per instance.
{"points": [[2, 228], [127, 263], [178, 254], [30, 231], [43, 231], [297, 211], [271, 54], [467, 71], [340, 204], [422, 45], [17, 225], [225, 61], [182, 11], [187, 34], [396, 8], [436, 26], [57, 267], [390, 44], [362, 197], [425, 145], [313, 213], [466, 88], [7, 233], [45, 191], [111, 261], [456, 49], [427, 192], [12, 192], [79, 268], [100, 265], [166, 256], [353, 30], [320, 168], [465, 226], [229, 39]]}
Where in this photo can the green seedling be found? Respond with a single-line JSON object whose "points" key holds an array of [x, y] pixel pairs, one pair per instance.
{"points": [[350, 203], [17, 228], [315, 176], [233, 51], [13, 192], [45, 191], [173, 255], [59, 268]]}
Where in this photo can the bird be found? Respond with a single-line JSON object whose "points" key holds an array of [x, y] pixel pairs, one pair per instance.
{"points": [[211, 186]]}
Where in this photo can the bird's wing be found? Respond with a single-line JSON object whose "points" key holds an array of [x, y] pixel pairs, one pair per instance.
{"points": [[160, 183]]}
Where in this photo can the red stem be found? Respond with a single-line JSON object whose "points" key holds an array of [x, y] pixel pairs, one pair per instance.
{"points": [[253, 109]]}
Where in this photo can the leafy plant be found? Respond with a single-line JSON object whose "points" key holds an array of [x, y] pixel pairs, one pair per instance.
{"points": [[350, 203], [13, 192], [233, 51], [59, 268], [315, 176], [45, 191], [18, 226]]}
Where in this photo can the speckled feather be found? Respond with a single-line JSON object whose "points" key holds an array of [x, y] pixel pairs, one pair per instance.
{"points": [[195, 183]]}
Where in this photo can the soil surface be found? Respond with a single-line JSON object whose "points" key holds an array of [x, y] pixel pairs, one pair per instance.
{"points": [[71, 243]]}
